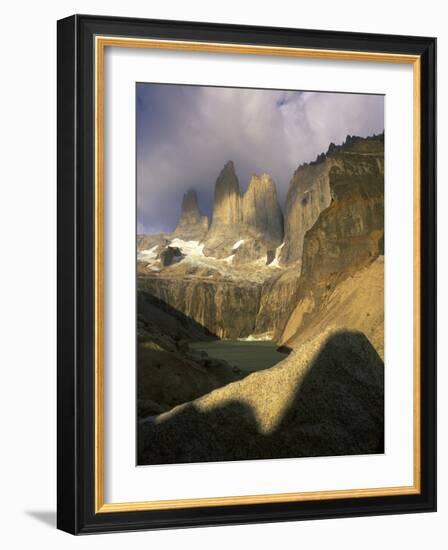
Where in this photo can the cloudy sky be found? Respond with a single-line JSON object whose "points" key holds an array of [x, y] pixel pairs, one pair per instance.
{"points": [[185, 135]]}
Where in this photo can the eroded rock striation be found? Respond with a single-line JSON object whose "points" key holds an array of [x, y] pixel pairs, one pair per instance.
{"points": [[277, 294], [227, 309]]}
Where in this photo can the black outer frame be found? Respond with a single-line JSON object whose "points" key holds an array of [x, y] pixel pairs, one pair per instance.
{"points": [[75, 403]]}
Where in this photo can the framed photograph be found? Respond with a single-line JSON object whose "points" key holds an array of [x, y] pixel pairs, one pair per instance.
{"points": [[246, 274]]}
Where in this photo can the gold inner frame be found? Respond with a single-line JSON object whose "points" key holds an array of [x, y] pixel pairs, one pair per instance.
{"points": [[101, 42]]}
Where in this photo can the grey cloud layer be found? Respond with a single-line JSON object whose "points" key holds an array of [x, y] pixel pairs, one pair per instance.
{"points": [[185, 134]]}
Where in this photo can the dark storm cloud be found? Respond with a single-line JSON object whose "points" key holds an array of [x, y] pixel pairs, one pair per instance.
{"points": [[185, 135]]}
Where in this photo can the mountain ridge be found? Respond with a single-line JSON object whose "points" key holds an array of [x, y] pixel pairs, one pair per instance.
{"points": [[243, 252]]}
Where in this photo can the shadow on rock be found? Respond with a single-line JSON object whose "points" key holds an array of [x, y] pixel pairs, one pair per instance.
{"points": [[324, 399]]}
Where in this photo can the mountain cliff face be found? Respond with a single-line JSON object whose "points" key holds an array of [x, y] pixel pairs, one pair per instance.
{"points": [[310, 191], [226, 205], [308, 195], [277, 294], [350, 232], [347, 237], [192, 225], [260, 209], [227, 309]]}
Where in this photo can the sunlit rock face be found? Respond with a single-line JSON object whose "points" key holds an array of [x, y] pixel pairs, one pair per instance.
{"points": [[254, 218], [310, 191], [226, 224], [350, 232], [277, 294], [261, 210], [308, 196], [226, 205], [342, 275], [354, 302]]}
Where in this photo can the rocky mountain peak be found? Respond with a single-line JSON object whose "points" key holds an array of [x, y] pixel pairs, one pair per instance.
{"points": [[192, 223], [263, 180], [226, 206], [260, 208], [190, 205]]}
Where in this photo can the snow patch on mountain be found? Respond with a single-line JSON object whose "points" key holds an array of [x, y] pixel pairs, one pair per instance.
{"points": [[275, 262], [148, 255], [237, 244], [188, 248]]}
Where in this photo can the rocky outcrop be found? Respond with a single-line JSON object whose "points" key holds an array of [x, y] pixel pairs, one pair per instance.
{"points": [[226, 204], [355, 302], [254, 218], [192, 225], [261, 210], [165, 326], [326, 398], [253, 250], [226, 224], [169, 378], [346, 238], [310, 194], [170, 255], [168, 372], [350, 232]]}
